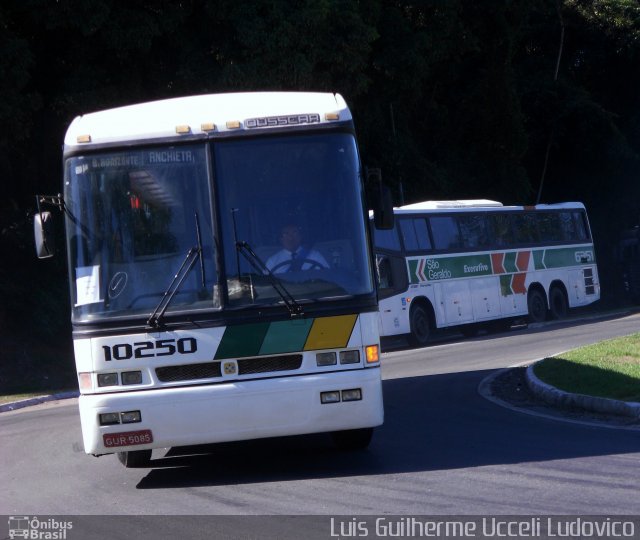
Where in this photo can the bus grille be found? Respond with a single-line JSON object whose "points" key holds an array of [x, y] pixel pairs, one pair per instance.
{"points": [[189, 372], [287, 362], [589, 287], [246, 366]]}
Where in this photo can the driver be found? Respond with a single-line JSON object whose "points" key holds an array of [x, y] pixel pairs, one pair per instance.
{"points": [[294, 256]]}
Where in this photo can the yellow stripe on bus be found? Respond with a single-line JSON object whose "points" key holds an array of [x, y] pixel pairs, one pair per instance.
{"points": [[330, 332]]}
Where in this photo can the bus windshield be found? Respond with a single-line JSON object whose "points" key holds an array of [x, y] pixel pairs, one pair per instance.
{"points": [[286, 198], [137, 219], [132, 218]]}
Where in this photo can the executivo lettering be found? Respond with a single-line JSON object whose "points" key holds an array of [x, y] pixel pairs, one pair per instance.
{"points": [[476, 268]]}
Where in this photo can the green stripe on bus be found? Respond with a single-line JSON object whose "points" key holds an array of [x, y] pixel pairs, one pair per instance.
{"points": [[505, 285], [242, 340], [441, 268], [286, 336], [538, 256], [413, 266], [467, 266], [557, 258], [510, 261]]}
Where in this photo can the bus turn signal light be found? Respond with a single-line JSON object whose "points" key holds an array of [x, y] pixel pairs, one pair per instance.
{"points": [[373, 354]]}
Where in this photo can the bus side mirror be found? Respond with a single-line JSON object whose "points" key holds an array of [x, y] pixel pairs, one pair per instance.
{"points": [[43, 234], [382, 201]]}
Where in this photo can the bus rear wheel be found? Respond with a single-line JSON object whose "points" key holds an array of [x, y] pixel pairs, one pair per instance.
{"points": [[352, 439], [537, 305], [134, 459], [558, 305], [420, 325]]}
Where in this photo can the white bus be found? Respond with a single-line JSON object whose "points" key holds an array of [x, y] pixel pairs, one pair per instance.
{"points": [[477, 263], [182, 335]]}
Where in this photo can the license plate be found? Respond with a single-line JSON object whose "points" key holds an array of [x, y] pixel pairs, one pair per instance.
{"points": [[128, 438]]}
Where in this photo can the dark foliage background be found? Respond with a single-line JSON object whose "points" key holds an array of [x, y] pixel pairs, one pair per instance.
{"points": [[455, 99]]}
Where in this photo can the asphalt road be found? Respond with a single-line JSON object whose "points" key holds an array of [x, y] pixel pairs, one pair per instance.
{"points": [[442, 450]]}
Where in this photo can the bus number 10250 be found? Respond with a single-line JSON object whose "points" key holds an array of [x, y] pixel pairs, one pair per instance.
{"points": [[149, 349]]}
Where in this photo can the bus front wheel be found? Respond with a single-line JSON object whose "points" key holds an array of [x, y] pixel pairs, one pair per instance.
{"points": [[537, 305], [135, 458], [420, 325]]}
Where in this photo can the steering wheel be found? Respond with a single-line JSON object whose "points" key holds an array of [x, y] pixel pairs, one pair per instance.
{"points": [[315, 265]]}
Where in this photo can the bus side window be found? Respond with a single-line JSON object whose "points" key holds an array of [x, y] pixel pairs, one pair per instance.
{"points": [[392, 275], [445, 232], [415, 234], [473, 230], [580, 224], [385, 279], [569, 231], [550, 226], [500, 229], [386, 238], [525, 228]]}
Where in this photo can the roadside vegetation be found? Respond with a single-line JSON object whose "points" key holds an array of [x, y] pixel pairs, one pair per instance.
{"points": [[609, 369]]}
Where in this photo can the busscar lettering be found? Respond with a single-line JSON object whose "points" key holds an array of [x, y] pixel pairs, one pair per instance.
{"points": [[286, 120]]}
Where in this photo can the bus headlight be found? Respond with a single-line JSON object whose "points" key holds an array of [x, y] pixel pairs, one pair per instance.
{"points": [[109, 419], [349, 357], [330, 397], [326, 359], [130, 417], [131, 377], [353, 394], [107, 379]]}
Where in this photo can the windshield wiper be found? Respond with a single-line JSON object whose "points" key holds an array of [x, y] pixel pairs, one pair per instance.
{"points": [[195, 253], [256, 262], [155, 319]]}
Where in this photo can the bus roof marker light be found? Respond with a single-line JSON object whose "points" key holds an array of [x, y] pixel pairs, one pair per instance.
{"points": [[82, 139], [330, 116], [209, 126], [183, 129], [233, 124]]}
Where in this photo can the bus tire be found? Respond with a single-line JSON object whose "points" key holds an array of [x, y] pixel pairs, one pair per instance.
{"points": [[134, 459], [352, 439], [537, 306], [420, 325], [558, 305]]}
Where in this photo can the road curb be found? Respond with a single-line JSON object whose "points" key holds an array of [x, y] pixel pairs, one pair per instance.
{"points": [[36, 401], [559, 398]]}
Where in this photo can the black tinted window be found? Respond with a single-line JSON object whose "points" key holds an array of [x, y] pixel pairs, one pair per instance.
{"points": [[415, 234]]}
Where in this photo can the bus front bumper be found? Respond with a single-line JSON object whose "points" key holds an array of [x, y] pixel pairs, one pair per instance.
{"points": [[234, 411]]}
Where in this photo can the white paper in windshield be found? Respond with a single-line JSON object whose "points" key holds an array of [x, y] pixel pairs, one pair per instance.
{"points": [[87, 285]]}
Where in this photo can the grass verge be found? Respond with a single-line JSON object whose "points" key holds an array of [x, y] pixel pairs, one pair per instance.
{"points": [[608, 369]]}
